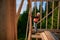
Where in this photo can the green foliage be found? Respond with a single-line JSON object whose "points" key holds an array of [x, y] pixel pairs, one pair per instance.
{"points": [[22, 24], [55, 18]]}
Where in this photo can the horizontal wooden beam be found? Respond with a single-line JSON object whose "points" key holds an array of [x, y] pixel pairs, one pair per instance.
{"points": [[52, 30], [45, 0], [36, 36], [43, 36]]}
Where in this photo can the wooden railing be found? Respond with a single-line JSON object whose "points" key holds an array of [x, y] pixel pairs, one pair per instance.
{"points": [[47, 14]]}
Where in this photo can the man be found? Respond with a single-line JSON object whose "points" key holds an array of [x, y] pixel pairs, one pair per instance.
{"points": [[35, 20]]}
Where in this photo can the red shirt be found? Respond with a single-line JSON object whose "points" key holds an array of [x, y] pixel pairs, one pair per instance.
{"points": [[35, 20]]}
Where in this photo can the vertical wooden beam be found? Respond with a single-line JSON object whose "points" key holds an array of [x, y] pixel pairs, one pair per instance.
{"points": [[40, 13], [11, 24], [46, 13], [30, 26], [30, 21], [58, 15], [35, 6], [7, 22], [3, 18], [52, 13]]}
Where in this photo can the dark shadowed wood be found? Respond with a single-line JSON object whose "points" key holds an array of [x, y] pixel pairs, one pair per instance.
{"points": [[3, 20]]}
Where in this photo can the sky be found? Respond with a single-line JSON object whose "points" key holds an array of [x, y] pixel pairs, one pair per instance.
{"points": [[18, 2]]}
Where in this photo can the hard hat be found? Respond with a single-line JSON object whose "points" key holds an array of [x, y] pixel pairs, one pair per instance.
{"points": [[38, 14]]}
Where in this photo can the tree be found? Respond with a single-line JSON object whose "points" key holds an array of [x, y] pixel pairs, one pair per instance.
{"points": [[22, 24]]}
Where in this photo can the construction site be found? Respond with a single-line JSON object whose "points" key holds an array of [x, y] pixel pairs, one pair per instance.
{"points": [[48, 25]]}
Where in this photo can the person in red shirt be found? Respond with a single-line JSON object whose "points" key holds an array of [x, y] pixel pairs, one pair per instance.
{"points": [[35, 20]]}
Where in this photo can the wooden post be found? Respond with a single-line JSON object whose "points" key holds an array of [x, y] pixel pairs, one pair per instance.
{"points": [[30, 21], [11, 23], [30, 25], [40, 13], [46, 13], [7, 22], [58, 15], [35, 6], [52, 13], [3, 19]]}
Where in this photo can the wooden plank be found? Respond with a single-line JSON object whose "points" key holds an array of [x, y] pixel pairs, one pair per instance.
{"points": [[30, 21], [7, 20], [36, 36], [46, 14], [3, 20], [52, 13], [40, 13], [52, 30], [58, 15], [35, 4], [11, 24], [43, 36], [50, 36]]}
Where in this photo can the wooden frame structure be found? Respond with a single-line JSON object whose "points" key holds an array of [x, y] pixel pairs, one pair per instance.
{"points": [[29, 37], [30, 18], [9, 18]]}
